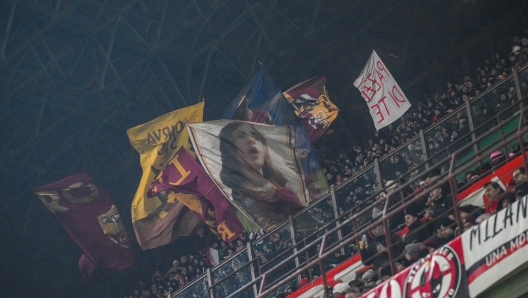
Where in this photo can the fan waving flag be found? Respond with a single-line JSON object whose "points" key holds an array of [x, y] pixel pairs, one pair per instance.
{"points": [[183, 179], [384, 97], [156, 220], [312, 106], [89, 215]]}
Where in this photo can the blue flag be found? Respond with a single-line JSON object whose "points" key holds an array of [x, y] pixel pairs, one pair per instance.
{"points": [[262, 101]]}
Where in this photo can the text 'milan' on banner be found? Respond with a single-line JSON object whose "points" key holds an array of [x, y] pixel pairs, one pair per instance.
{"points": [[384, 97], [157, 221], [255, 166], [312, 106], [496, 247], [88, 214]]}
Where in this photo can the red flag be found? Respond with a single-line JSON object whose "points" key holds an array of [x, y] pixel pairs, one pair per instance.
{"points": [[312, 106], [185, 180], [89, 215]]}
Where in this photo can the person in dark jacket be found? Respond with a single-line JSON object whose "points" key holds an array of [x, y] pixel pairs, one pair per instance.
{"points": [[417, 231], [438, 202], [373, 247]]}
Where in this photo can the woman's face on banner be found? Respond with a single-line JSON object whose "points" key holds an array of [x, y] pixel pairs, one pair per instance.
{"points": [[246, 139]]}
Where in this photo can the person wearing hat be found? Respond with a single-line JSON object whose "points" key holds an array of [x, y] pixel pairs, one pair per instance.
{"points": [[521, 56], [417, 231], [413, 252], [339, 290], [497, 158], [368, 276]]}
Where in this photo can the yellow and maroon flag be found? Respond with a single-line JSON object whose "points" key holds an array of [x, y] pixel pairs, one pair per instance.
{"points": [[183, 179], [158, 221], [312, 106], [88, 214]]}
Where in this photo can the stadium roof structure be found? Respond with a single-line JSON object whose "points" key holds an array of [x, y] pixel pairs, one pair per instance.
{"points": [[76, 74]]}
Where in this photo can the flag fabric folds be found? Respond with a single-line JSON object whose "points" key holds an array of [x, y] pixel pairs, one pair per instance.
{"points": [[156, 220], [184, 180], [89, 215], [256, 166], [384, 97], [262, 101], [312, 106]]}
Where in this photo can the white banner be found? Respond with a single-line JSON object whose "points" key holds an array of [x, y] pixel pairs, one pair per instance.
{"points": [[255, 165], [496, 247], [384, 97]]}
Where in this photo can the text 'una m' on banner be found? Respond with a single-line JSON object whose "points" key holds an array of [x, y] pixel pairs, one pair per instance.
{"points": [[384, 97]]}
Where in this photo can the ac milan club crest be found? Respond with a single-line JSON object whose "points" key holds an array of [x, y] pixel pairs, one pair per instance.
{"points": [[437, 276]]}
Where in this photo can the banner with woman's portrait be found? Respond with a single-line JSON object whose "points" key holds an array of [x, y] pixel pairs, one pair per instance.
{"points": [[255, 165]]}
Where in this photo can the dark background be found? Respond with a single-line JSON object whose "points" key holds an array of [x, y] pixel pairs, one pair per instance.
{"points": [[75, 75]]}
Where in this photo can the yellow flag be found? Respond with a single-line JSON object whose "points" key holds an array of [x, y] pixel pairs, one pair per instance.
{"points": [[157, 141]]}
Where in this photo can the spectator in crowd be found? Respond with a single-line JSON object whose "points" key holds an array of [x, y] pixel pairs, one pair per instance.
{"points": [[493, 191], [339, 290], [506, 199], [174, 268], [438, 203], [351, 162], [373, 247], [446, 231], [352, 293], [519, 175], [468, 222], [417, 231]]}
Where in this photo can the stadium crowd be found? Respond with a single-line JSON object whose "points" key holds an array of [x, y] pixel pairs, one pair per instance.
{"points": [[417, 231]]}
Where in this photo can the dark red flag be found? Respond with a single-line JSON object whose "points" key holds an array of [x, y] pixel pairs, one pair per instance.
{"points": [[312, 106], [89, 215], [185, 180]]}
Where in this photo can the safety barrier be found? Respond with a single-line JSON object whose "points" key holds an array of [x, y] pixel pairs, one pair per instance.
{"points": [[332, 215]]}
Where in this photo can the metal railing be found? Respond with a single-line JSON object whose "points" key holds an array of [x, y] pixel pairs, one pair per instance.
{"points": [[307, 227], [447, 178]]}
